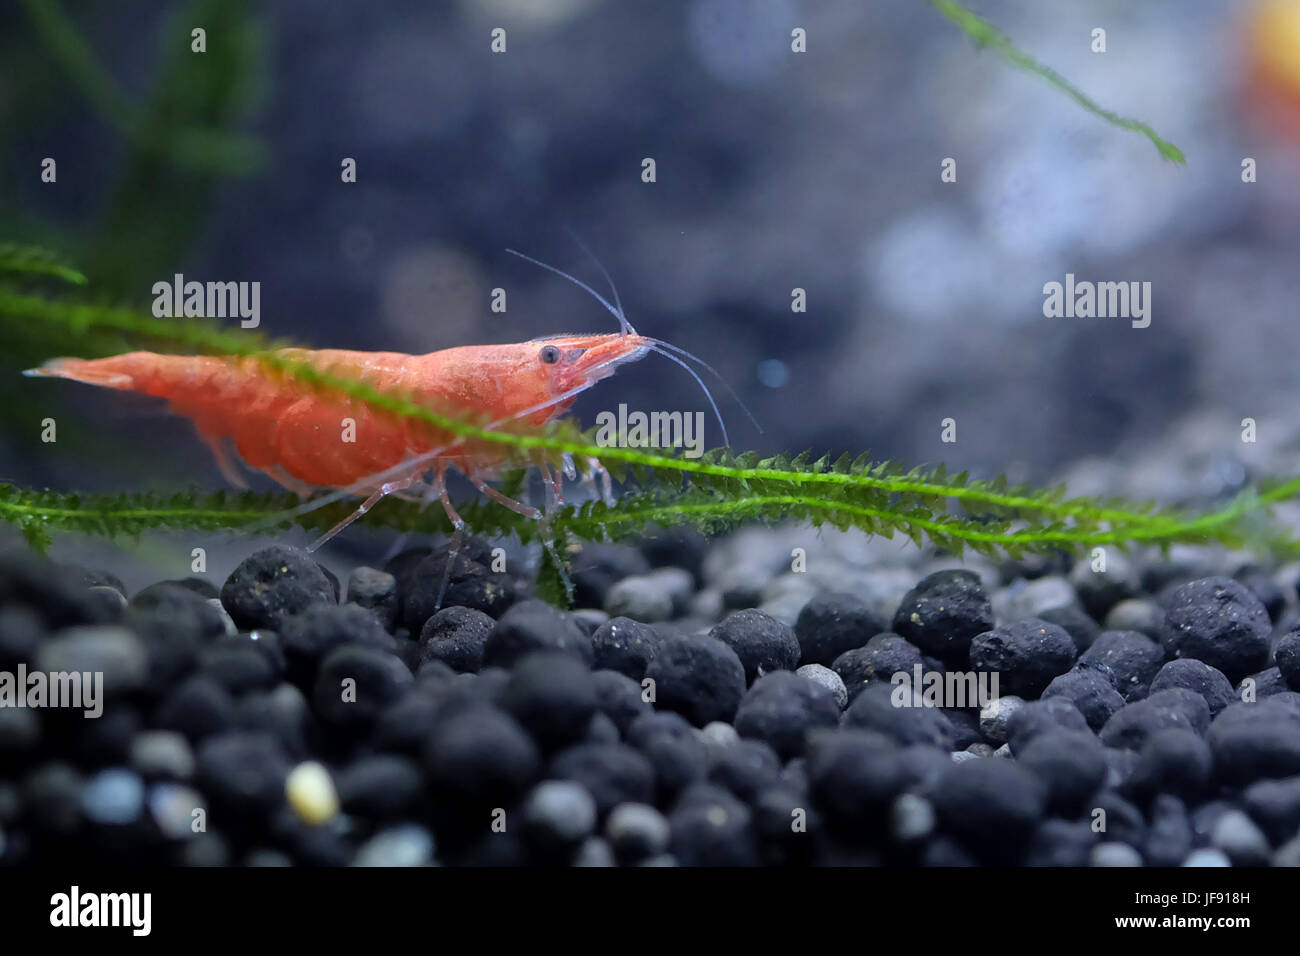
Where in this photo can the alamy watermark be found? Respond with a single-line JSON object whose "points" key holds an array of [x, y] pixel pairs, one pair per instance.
{"points": [[1100, 300], [209, 300], [956, 689], [74, 690], [133, 911], [654, 430]]}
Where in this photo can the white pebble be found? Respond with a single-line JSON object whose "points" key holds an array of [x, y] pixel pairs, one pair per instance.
{"points": [[1237, 835], [563, 809], [310, 791], [1207, 857], [912, 817], [1114, 853], [594, 852], [821, 674], [995, 717], [719, 734]]}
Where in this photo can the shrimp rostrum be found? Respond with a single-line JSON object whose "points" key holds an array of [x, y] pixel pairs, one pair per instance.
{"points": [[297, 434]]}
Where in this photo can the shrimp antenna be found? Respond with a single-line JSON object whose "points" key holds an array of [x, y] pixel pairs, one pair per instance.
{"points": [[623, 323], [573, 234], [700, 382], [715, 373]]}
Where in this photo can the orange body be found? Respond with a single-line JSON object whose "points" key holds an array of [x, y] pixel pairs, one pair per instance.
{"points": [[287, 428]]}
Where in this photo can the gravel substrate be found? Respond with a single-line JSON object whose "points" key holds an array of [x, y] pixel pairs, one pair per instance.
{"points": [[703, 706]]}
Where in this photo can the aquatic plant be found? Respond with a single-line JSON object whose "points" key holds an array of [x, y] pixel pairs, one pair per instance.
{"points": [[712, 493]]}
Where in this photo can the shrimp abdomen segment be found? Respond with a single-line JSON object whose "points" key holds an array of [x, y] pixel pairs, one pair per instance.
{"points": [[274, 420]]}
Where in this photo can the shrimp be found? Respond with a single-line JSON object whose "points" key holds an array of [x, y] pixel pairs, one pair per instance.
{"points": [[295, 434]]}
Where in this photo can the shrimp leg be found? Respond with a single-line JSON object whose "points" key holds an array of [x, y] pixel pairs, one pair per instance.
{"points": [[290, 483], [503, 499], [554, 486], [382, 492], [598, 475], [221, 452], [457, 538]]}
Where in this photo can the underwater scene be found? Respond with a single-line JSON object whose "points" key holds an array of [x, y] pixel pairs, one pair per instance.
{"points": [[703, 433]]}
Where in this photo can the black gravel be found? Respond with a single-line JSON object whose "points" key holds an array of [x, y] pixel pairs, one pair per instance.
{"points": [[762, 643], [501, 731], [832, 624], [944, 613], [1026, 655]]}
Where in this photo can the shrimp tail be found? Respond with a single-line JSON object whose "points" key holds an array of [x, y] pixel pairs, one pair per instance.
{"points": [[91, 371]]}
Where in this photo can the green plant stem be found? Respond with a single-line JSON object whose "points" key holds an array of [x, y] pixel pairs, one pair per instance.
{"points": [[76, 317], [986, 34]]}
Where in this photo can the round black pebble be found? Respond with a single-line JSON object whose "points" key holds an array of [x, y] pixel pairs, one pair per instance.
{"points": [[1218, 621], [1039, 716], [854, 775], [283, 712], [20, 634], [1132, 657], [243, 774], [458, 637], [355, 684], [619, 698], [1071, 764], [944, 613], [700, 678], [199, 707], [238, 666], [1026, 655], [624, 645], [1287, 655], [376, 591], [1090, 686], [1196, 676], [612, 773], [1082, 629], [1169, 837], [271, 584], [992, 806], [781, 708], [535, 626], [1253, 741], [883, 656], [552, 696], [710, 827], [675, 751], [1132, 724], [173, 608], [1124, 821], [745, 767], [832, 623], [1173, 761], [481, 754], [380, 787], [876, 709], [1061, 843], [1269, 592], [762, 643], [1275, 806], [470, 584], [599, 566]]}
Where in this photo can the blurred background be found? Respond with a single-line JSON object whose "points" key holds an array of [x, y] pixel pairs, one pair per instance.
{"points": [[775, 170]]}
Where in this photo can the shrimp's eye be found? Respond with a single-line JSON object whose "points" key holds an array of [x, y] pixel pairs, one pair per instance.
{"points": [[549, 354]]}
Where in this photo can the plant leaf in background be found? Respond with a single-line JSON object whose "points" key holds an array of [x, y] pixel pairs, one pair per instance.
{"points": [[987, 35], [178, 145]]}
